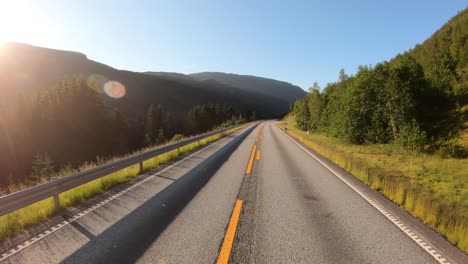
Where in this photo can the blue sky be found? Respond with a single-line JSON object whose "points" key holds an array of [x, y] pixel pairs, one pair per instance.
{"points": [[295, 41]]}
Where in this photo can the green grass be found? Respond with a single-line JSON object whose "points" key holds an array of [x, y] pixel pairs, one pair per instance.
{"points": [[432, 188], [15, 222]]}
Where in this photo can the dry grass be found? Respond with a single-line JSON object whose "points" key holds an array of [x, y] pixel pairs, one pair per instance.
{"points": [[36, 213], [431, 188]]}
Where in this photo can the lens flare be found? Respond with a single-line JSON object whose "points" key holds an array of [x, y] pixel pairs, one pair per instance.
{"points": [[114, 89], [96, 82], [102, 84]]}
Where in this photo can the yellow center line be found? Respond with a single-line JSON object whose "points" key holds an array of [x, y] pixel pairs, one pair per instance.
{"points": [[225, 253], [259, 135], [252, 155], [251, 160]]}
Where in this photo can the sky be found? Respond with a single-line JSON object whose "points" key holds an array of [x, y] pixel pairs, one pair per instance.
{"points": [[295, 41]]}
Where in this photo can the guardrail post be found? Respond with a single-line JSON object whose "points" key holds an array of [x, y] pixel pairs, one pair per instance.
{"points": [[141, 166], [56, 202]]}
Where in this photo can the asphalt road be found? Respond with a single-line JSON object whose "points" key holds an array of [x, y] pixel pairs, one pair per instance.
{"points": [[302, 213], [294, 210]]}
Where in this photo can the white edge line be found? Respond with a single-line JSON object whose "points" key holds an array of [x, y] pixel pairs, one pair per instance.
{"points": [[437, 256], [38, 237]]}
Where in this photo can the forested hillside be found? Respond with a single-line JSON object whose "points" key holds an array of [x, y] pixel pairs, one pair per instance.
{"points": [[444, 56], [57, 109], [69, 124], [265, 104], [417, 100]]}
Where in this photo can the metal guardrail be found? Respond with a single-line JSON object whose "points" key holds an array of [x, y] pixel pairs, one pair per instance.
{"points": [[18, 200]]}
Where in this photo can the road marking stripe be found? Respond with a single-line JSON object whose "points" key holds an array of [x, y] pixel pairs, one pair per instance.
{"points": [[38, 237], [252, 155], [225, 252], [259, 135], [258, 154], [251, 160], [376, 205]]}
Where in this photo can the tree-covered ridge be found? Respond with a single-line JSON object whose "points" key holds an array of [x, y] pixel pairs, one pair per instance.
{"points": [[268, 87], [444, 55], [417, 100]]}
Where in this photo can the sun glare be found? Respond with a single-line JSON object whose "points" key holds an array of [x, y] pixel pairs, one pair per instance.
{"points": [[20, 22]]}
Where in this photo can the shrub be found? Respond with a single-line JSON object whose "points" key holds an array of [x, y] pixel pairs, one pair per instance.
{"points": [[451, 149], [411, 137]]}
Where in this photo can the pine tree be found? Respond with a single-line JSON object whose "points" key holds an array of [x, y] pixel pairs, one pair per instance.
{"points": [[315, 106], [42, 167], [150, 126], [301, 110], [161, 138], [253, 116]]}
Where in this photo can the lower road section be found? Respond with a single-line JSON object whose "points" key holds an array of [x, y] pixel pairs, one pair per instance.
{"points": [[254, 197]]}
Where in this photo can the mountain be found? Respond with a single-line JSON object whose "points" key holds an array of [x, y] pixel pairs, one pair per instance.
{"points": [[278, 89], [262, 102], [25, 69]]}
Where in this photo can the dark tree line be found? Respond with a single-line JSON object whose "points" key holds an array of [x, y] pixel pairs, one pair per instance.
{"points": [[207, 116], [70, 124], [158, 125]]}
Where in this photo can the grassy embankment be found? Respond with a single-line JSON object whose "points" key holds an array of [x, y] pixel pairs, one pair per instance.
{"points": [[431, 188], [36, 213]]}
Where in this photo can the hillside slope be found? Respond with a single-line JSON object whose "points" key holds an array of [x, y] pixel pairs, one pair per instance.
{"points": [[419, 95], [262, 102], [447, 51], [444, 58], [279, 89]]}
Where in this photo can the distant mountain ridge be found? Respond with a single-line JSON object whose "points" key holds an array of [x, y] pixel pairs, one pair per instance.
{"points": [[279, 89]]}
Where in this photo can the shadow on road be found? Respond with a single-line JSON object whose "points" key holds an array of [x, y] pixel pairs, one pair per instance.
{"points": [[129, 238]]}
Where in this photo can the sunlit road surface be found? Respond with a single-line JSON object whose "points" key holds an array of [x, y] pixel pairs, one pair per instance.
{"points": [[253, 197]]}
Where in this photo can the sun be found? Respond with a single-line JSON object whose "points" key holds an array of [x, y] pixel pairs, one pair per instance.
{"points": [[20, 22]]}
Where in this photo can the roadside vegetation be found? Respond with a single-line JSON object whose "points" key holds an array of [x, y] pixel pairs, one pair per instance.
{"points": [[15, 222], [401, 127]]}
